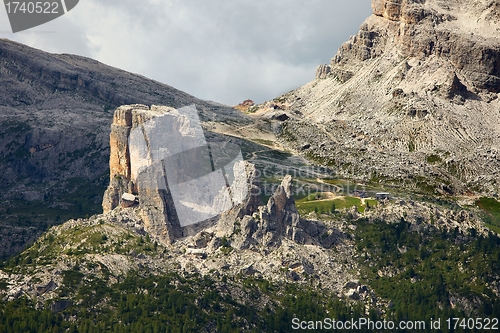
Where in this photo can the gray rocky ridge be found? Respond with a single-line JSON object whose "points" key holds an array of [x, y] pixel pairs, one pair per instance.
{"points": [[410, 101]]}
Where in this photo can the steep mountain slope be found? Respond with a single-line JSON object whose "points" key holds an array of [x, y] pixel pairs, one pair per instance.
{"points": [[55, 112], [411, 100]]}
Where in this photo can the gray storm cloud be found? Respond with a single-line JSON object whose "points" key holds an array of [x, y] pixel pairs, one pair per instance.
{"points": [[217, 50]]}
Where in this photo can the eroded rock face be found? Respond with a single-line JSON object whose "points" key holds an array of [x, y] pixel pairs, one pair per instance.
{"points": [[119, 160], [407, 11], [141, 171], [279, 220], [159, 156], [419, 28], [420, 79], [153, 203], [280, 217], [323, 71]]}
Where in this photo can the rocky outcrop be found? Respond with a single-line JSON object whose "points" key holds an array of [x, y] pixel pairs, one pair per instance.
{"points": [[279, 220], [323, 71], [158, 158], [139, 174], [419, 28], [407, 11], [119, 161]]}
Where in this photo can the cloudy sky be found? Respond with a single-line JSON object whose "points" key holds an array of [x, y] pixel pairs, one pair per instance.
{"points": [[225, 51]]}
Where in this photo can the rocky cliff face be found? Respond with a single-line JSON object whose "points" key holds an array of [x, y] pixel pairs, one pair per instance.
{"points": [[412, 99], [280, 220], [422, 29]]}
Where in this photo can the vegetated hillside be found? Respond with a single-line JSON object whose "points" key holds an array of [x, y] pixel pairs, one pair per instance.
{"points": [[55, 112], [411, 100], [106, 274]]}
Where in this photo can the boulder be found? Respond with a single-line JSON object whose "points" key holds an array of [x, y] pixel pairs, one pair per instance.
{"points": [[46, 288], [128, 200]]}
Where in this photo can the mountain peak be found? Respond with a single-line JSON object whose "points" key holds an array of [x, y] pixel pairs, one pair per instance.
{"points": [[463, 36]]}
